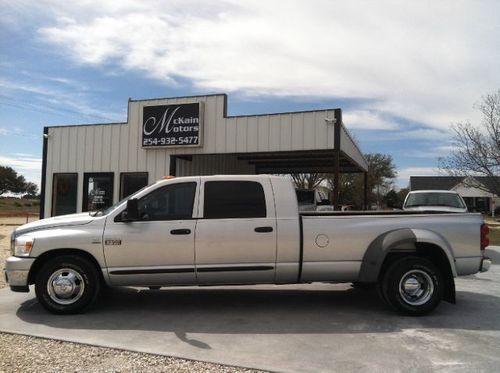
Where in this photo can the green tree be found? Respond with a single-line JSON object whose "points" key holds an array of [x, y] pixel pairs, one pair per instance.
{"points": [[31, 190], [10, 181]]}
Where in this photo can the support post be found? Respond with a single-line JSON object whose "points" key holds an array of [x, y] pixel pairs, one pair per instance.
{"points": [[336, 158], [365, 190]]}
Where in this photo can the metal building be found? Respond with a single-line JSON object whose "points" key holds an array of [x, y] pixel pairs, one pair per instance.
{"points": [[93, 166]]}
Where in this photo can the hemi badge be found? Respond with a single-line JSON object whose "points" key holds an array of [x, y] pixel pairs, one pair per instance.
{"points": [[112, 242]]}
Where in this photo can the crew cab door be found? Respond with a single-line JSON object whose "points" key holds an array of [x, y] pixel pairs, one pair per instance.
{"points": [[236, 235], [159, 248]]}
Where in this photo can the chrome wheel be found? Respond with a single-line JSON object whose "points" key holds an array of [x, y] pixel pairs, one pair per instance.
{"points": [[416, 287], [65, 286]]}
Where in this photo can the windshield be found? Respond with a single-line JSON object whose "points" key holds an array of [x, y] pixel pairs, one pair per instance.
{"points": [[434, 199], [111, 208]]}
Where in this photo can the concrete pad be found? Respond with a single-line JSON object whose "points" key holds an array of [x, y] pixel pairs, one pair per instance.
{"points": [[307, 328]]}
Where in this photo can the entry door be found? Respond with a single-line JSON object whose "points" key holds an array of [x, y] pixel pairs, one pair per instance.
{"points": [[158, 249], [236, 238]]}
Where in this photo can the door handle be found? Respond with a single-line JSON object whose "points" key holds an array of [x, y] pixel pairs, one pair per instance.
{"points": [[263, 229], [180, 231]]}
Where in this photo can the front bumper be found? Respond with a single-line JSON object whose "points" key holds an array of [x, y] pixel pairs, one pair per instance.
{"points": [[485, 265], [17, 271]]}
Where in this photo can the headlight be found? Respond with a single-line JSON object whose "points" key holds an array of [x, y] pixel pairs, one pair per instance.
{"points": [[23, 246]]}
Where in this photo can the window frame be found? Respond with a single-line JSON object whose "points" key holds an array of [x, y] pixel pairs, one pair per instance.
{"points": [[264, 195], [52, 204], [172, 185], [85, 195], [122, 174]]}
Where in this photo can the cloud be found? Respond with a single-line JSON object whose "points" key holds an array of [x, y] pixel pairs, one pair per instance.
{"points": [[58, 100], [424, 61], [367, 120]]}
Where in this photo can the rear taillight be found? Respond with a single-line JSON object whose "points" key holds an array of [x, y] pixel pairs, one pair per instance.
{"points": [[485, 240]]}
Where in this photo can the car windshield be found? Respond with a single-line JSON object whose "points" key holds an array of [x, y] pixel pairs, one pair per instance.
{"points": [[434, 199], [111, 208]]}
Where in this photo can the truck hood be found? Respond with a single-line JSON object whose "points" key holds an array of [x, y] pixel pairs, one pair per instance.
{"points": [[435, 208], [55, 222]]}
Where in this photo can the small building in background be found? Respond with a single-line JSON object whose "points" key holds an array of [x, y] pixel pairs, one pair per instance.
{"points": [[475, 191]]}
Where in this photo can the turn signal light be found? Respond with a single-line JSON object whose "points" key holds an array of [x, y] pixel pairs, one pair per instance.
{"points": [[485, 240]]}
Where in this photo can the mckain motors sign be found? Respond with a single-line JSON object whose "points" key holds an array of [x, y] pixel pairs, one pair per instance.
{"points": [[171, 125]]}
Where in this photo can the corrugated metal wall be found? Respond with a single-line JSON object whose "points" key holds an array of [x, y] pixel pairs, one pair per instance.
{"points": [[117, 147]]}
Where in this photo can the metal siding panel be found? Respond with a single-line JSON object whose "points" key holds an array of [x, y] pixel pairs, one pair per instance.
{"points": [[107, 148], [133, 140], [297, 131], [320, 130], [115, 147], [252, 134], [274, 132], [123, 147], [64, 149], [263, 133], [309, 131], [241, 135], [89, 148], [98, 149], [72, 148], [230, 135], [211, 126], [80, 149], [286, 132]]}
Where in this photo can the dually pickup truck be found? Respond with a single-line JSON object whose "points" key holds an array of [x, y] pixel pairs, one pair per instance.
{"points": [[214, 230]]}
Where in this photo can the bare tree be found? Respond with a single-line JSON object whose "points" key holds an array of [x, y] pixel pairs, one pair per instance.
{"points": [[308, 181], [477, 148]]}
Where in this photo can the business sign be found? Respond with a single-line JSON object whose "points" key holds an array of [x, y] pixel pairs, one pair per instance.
{"points": [[171, 125]]}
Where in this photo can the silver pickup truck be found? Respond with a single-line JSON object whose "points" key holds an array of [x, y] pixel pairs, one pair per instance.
{"points": [[217, 230]]}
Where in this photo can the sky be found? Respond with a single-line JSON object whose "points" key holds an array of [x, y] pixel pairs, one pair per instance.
{"points": [[402, 71]]}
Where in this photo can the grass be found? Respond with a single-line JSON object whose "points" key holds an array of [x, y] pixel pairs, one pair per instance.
{"points": [[19, 207]]}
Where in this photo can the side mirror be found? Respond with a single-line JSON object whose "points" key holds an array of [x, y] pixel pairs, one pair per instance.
{"points": [[132, 209]]}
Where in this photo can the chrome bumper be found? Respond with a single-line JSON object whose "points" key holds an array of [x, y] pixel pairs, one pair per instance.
{"points": [[17, 271], [485, 265]]}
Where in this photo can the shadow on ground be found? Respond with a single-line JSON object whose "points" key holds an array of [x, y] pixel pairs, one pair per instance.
{"points": [[262, 311]]}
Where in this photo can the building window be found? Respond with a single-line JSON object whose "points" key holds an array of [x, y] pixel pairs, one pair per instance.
{"points": [[234, 199], [97, 191], [131, 182], [64, 193]]}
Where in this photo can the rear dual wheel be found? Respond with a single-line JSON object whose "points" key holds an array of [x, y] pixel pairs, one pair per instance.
{"points": [[412, 286]]}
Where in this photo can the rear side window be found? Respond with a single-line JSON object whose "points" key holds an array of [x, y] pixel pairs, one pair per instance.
{"points": [[234, 199]]}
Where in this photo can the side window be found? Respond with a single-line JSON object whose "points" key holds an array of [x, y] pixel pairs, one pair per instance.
{"points": [[234, 199], [171, 202]]}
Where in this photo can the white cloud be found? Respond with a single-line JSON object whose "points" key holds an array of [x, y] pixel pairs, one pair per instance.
{"points": [[368, 120], [425, 61], [27, 165]]}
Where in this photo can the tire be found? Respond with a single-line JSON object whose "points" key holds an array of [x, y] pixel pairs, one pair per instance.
{"points": [[413, 286], [67, 284]]}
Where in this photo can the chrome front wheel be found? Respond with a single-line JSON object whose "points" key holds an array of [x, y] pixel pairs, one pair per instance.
{"points": [[65, 286]]}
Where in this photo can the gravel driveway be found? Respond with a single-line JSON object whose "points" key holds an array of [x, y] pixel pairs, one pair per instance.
{"points": [[20, 353]]}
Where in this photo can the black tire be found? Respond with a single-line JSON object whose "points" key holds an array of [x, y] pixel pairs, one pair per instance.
{"points": [[413, 286], [75, 284]]}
